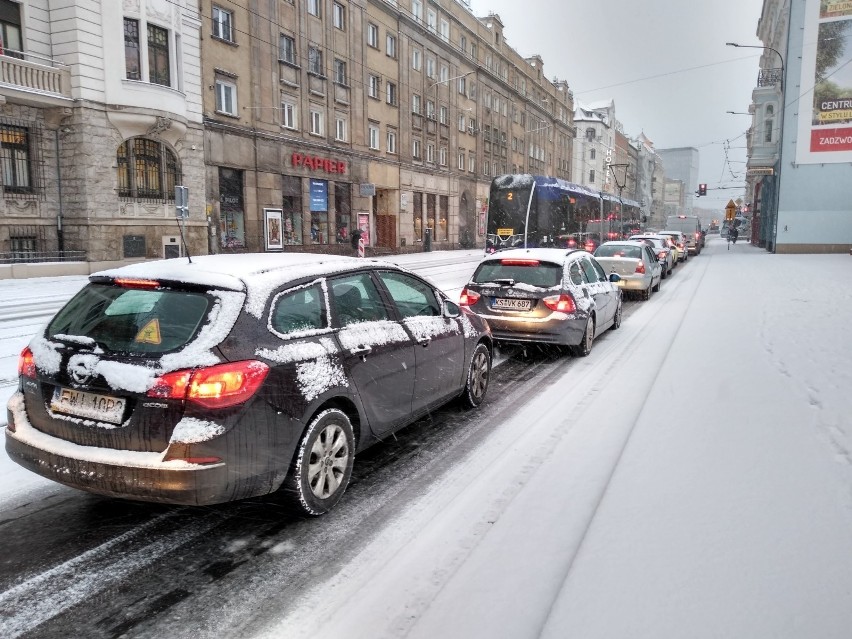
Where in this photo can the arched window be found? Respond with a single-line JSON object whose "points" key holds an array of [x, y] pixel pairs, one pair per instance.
{"points": [[768, 123], [147, 169]]}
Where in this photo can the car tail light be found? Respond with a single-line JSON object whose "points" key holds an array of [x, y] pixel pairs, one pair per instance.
{"points": [[217, 386], [640, 268], [468, 297], [590, 247], [26, 364], [516, 261], [697, 235], [560, 303], [661, 255]]}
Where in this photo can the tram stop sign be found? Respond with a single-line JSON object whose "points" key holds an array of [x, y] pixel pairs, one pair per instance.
{"points": [[730, 210]]}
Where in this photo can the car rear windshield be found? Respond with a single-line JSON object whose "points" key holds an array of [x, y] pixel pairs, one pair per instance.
{"points": [[619, 250], [126, 320], [541, 274]]}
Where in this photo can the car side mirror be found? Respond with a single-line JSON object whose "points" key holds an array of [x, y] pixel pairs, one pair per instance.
{"points": [[614, 277], [451, 309]]}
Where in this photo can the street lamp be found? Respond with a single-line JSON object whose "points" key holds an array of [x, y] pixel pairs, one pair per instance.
{"points": [[781, 114], [738, 113]]}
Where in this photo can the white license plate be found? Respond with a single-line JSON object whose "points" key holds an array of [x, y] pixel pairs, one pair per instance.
{"points": [[102, 408], [513, 304]]}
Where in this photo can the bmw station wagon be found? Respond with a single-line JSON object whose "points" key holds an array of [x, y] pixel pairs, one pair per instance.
{"points": [[552, 296], [224, 378]]}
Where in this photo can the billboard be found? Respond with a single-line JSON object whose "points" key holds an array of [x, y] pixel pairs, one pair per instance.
{"points": [[825, 116]]}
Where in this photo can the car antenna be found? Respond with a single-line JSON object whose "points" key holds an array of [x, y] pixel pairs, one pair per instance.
{"points": [[181, 213]]}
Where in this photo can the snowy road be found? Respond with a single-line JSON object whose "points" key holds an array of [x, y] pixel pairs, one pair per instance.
{"points": [[664, 486]]}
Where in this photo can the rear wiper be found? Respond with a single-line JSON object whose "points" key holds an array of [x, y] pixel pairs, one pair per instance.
{"points": [[504, 281], [78, 340]]}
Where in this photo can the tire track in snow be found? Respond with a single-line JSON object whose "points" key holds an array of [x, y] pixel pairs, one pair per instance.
{"points": [[52, 592]]}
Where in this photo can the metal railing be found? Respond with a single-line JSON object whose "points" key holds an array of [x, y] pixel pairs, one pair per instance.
{"points": [[33, 257], [769, 77]]}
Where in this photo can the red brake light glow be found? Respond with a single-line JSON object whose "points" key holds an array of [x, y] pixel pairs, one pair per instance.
{"points": [[130, 282], [519, 261], [217, 386], [661, 255], [560, 303], [468, 297], [26, 364], [640, 267]]}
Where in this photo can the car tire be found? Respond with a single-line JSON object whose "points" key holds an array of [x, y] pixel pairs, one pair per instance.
{"points": [[659, 284], [616, 319], [323, 464], [478, 375], [585, 346], [646, 294]]}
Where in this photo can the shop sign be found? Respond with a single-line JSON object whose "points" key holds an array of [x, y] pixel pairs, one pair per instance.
{"points": [[316, 163], [319, 195]]}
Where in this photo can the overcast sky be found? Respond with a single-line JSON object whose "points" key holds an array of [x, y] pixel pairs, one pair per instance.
{"points": [[664, 63]]}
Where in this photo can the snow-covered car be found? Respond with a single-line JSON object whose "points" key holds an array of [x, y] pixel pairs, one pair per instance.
{"points": [[636, 264], [680, 244], [546, 295], [225, 377], [662, 246]]}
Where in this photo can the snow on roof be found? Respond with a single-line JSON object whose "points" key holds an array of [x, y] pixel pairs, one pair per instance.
{"points": [[555, 255]]}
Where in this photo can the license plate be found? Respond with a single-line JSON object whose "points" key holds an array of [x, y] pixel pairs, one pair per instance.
{"points": [[513, 304], [102, 408]]}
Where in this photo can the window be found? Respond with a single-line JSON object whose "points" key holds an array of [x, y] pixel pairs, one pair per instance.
{"points": [[486, 168], [412, 297], [445, 30], [343, 208], [315, 61], [391, 93], [415, 103], [463, 43], [372, 35], [15, 159], [769, 123], [223, 21], [445, 73], [356, 299], [430, 67], [132, 63], [442, 156], [314, 7], [473, 50], [431, 20], [591, 176], [444, 116], [416, 59], [374, 136], [430, 109], [463, 86], [316, 122], [159, 69], [291, 205], [287, 49], [288, 115], [339, 71], [430, 152], [10, 30], [373, 86], [471, 163], [590, 134], [298, 311], [415, 149], [226, 97], [461, 122], [417, 215], [592, 154], [339, 16], [461, 159], [146, 169], [340, 130], [390, 47], [391, 141], [417, 10]]}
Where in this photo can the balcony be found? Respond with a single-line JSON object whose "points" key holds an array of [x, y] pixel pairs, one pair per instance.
{"points": [[34, 80]]}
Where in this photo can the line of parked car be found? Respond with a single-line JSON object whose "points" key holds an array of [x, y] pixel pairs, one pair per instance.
{"points": [[232, 376]]}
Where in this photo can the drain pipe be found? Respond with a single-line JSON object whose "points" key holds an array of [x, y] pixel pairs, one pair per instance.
{"points": [[60, 233]]}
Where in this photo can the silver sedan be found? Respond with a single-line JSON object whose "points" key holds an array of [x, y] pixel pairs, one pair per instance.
{"points": [[636, 264]]}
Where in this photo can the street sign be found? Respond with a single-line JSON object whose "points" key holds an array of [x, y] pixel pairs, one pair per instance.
{"points": [[730, 210], [182, 201]]}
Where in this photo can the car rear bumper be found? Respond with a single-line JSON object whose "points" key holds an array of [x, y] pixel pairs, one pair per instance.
{"points": [[633, 284], [566, 332], [127, 474]]}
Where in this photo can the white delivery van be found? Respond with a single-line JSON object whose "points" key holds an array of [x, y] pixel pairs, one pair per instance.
{"points": [[690, 226]]}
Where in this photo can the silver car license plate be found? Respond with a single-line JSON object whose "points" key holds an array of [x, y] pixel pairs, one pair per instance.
{"points": [[513, 304], [102, 408]]}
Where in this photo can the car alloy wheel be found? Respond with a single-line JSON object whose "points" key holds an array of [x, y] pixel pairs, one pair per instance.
{"points": [[616, 320], [585, 345], [477, 376], [323, 464]]}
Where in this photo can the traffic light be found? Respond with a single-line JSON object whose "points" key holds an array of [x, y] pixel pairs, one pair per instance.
{"points": [[702, 190]]}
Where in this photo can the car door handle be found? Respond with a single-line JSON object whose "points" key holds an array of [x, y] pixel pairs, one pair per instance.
{"points": [[424, 342], [362, 350]]}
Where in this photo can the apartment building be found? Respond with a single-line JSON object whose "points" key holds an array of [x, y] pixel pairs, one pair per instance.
{"points": [[100, 118], [323, 116]]}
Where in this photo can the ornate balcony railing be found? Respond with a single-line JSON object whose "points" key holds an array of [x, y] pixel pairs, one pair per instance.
{"points": [[35, 74], [769, 77]]}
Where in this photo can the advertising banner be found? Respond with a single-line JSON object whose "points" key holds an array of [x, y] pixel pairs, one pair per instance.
{"points": [[319, 195], [825, 117]]}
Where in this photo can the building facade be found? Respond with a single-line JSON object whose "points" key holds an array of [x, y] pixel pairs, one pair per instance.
{"points": [[93, 143], [326, 116], [682, 164]]}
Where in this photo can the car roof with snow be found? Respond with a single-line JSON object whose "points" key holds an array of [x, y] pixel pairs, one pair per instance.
{"points": [[555, 255], [239, 272]]}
